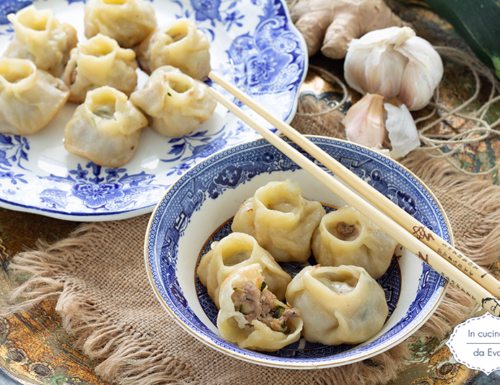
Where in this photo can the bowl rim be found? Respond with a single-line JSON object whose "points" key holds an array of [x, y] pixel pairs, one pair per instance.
{"points": [[299, 365]]}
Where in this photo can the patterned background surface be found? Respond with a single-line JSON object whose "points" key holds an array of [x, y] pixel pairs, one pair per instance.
{"points": [[35, 348]]}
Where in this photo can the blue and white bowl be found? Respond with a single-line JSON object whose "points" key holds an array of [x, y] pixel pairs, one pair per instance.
{"points": [[198, 208]]}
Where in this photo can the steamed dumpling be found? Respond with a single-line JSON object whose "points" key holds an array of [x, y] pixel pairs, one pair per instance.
{"points": [[100, 62], [29, 97], [338, 304], [178, 44], [346, 237], [235, 251], [251, 316], [281, 220], [126, 21], [174, 103], [105, 129], [41, 38]]}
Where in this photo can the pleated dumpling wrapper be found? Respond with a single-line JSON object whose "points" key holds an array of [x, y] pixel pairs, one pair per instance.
{"points": [[178, 44], [41, 38], [338, 304], [251, 316], [100, 62], [105, 129], [175, 103], [126, 21], [235, 251], [29, 97], [281, 220], [346, 237]]}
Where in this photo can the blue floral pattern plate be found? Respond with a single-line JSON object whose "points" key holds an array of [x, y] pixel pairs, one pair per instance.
{"points": [[198, 207], [253, 44]]}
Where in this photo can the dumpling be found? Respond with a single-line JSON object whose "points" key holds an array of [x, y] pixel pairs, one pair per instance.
{"points": [[235, 251], [251, 316], [29, 98], [105, 129], [100, 62], [178, 44], [126, 21], [346, 237], [41, 38], [338, 304], [174, 103], [281, 220]]}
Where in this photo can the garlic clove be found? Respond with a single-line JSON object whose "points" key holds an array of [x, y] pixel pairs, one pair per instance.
{"points": [[364, 122], [422, 74], [384, 69], [354, 68], [402, 130]]}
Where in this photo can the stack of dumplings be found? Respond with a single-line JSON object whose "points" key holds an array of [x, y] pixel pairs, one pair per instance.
{"points": [[281, 220], [178, 44], [251, 316], [335, 302], [44, 66], [105, 129], [29, 97], [175, 103], [126, 21], [97, 63], [41, 38], [235, 251]]}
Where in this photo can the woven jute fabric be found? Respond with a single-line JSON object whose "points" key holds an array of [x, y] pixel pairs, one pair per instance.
{"points": [[98, 278]]}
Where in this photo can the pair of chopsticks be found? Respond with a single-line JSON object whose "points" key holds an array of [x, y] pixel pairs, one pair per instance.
{"points": [[450, 263]]}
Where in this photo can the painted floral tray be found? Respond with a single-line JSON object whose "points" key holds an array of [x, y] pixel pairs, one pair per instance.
{"points": [[253, 44]]}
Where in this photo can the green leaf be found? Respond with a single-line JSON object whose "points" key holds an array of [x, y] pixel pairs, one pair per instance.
{"points": [[496, 64], [476, 23], [263, 286]]}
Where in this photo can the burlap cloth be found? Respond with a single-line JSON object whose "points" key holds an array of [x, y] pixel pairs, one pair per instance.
{"points": [[103, 295]]}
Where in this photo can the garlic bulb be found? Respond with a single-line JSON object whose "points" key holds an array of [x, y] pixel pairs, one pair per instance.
{"points": [[364, 122], [394, 63], [402, 130]]}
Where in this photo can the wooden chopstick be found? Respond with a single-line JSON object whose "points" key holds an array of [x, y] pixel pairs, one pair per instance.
{"points": [[475, 291], [417, 229]]}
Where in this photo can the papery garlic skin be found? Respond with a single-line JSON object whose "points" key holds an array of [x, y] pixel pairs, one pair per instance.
{"points": [[394, 63], [364, 122], [402, 130], [422, 74]]}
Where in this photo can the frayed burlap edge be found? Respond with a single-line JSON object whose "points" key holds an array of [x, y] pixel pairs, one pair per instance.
{"points": [[481, 243], [131, 358]]}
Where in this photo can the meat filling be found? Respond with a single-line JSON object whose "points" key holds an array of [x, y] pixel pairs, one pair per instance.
{"points": [[346, 232], [260, 305], [72, 77]]}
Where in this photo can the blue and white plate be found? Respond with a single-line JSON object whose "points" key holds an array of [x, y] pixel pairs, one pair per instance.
{"points": [[198, 209], [253, 44]]}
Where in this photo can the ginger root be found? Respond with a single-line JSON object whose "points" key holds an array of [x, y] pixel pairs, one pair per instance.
{"points": [[337, 22]]}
